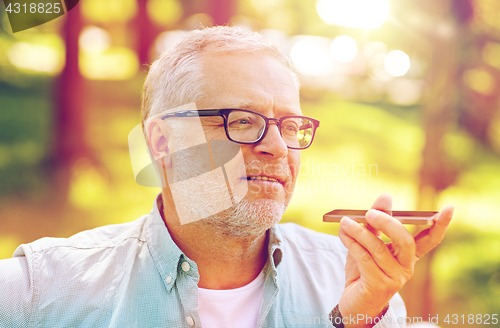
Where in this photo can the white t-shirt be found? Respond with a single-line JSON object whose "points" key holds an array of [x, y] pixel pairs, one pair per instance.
{"points": [[229, 308]]}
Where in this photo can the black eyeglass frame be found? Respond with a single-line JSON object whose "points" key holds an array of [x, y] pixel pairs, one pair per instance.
{"points": [[225, 113]]}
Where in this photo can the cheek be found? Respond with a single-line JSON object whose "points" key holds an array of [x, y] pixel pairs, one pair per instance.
{"points": [[247, 152], [215, 133], [294, 163], [294, 166]]}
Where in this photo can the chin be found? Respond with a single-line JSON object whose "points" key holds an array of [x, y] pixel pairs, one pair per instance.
{"points": [[249, 218]]}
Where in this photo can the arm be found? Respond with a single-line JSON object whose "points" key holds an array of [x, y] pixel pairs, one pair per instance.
{"points": [[16, 294]]}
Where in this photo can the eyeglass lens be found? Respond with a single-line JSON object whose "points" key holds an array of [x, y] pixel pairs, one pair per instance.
{"points": [[297, 132]]}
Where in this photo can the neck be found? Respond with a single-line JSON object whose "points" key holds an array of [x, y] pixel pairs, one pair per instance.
{"points": [[224, 261]]}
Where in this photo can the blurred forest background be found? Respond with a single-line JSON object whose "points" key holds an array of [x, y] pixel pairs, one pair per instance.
{"points": [[407, 92]]}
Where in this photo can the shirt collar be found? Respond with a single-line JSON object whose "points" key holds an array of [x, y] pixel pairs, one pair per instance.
{"points": [[164, 251], [274, 247], [168, 257]]}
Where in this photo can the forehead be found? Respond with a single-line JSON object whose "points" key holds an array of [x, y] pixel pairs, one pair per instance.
{"points": [[249, 81]]}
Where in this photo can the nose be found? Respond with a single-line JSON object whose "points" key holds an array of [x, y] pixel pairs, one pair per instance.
{"points": [[272, 144]]}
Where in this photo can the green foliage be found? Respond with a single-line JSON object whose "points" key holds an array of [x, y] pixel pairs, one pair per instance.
{"points": [[26, 121], [467, 272]]}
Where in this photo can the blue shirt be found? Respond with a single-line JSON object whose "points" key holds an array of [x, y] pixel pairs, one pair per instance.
{"points": [[134, 275]]}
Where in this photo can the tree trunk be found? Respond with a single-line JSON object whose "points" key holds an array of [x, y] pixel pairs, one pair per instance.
{"points": [[69, 143]]}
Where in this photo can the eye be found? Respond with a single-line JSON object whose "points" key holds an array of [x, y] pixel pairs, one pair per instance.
{"points": [[290, 127], [244, 121], [241, 122]]}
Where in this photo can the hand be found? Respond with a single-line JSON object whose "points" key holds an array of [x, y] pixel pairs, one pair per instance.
{"points": [[375, 271]]}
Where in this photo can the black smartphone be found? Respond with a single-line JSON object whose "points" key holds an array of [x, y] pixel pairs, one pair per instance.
{"points": [[406, 217]]}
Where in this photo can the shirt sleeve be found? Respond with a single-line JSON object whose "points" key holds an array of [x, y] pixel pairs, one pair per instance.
{"points": [[16, 293]]}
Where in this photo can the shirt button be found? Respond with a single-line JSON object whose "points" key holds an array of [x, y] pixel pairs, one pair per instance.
{"points": [[169, 279], [189, 320], [185, 267]]}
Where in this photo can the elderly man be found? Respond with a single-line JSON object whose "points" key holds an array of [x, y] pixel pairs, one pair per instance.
{"points": [[210, 253]]}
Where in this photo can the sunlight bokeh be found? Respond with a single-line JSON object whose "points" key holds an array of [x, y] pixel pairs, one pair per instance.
{"points": [[118, 11], [43, 54], [94, 39], [311, 56], [116, 63], [491, 54], [479, 80], [344, 49], [367, 14], [164, 12], [397, 63]]}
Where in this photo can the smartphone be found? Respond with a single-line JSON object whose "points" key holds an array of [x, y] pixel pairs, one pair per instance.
{"points": [[406, 217]]}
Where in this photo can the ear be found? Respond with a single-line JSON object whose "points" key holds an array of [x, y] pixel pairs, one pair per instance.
{"points": [[158, 139]]}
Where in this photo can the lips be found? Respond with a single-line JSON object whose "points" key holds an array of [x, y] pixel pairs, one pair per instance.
{"points": [[265, 178], [270, 173], [268, 178]]}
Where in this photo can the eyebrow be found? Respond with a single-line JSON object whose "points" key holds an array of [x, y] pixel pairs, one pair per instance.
{"points": [[243, 105], [249, 105]]}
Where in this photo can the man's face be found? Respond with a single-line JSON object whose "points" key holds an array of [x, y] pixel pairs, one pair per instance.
{"points": [[261, 84]]}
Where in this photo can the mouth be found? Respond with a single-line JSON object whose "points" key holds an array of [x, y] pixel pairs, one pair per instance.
{"points": [[265, 179]]}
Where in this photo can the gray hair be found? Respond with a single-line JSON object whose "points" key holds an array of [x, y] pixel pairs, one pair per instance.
{"points": [[176, 78]]}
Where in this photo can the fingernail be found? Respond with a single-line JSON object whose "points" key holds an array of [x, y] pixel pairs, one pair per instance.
{"points": [[371, 214], [346, 221]]}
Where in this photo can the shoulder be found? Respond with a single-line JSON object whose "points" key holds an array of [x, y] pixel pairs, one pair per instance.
{"points": [[86, 259], [16, 293], [99, 238], [79, 272]]}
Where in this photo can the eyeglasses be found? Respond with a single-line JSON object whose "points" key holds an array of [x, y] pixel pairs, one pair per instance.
{"points": [[247, 127]]}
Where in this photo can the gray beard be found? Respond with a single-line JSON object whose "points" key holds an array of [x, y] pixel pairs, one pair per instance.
{"points": [[246, 219]]}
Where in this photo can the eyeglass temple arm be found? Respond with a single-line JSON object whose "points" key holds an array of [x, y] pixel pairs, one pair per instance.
{"points": [[306, 126], [193, 113], [309, 125]]}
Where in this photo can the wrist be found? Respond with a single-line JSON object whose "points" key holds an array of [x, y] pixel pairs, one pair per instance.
{"points": [[336, 317], [357, 320]]}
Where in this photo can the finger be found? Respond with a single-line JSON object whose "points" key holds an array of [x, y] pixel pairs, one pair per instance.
{"points": [[374, 231], [427, 239], [403, 244], [373, 245], [351, 267], [382, 203], [367, 267]]}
